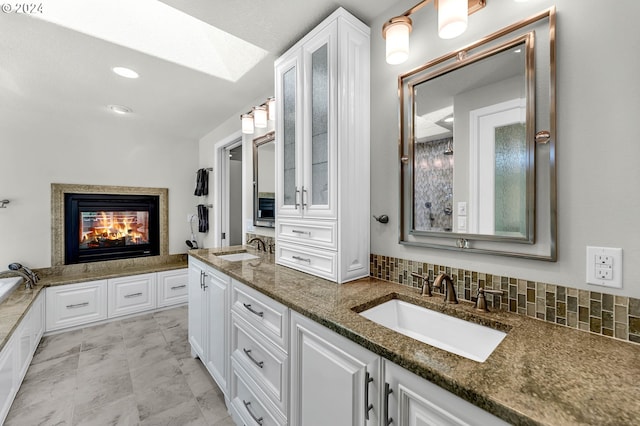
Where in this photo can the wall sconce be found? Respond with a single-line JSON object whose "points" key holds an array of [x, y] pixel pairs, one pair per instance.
{"points": [[3, 204], [257, 118], [452, 21]]}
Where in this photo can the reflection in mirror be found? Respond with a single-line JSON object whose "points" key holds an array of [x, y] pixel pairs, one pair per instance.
{"points": [[264, 180], [473, 177], [476, 109]]}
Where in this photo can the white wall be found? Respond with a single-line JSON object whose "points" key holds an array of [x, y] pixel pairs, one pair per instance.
{"points": [[38, 148], [597, 144]]}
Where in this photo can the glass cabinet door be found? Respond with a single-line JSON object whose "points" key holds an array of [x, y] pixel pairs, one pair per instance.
{"points": [[290, 196], [320, 173]]}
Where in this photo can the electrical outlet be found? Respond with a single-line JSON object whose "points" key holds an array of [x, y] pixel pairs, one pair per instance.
{"points": [[604, 266]]}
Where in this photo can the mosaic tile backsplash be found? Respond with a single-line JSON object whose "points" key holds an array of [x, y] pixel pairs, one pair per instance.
{"points": [[591, 311]]}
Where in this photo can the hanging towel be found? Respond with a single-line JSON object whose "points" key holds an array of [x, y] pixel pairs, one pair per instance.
{"points": [[202, 182], [203, 218]]}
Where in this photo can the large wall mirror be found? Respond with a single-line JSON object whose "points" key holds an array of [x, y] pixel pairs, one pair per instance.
{"points": [[478, 145], [264, 181]]}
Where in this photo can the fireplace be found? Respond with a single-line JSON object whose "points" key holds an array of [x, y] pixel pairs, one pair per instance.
{"points": [[108, 226]]}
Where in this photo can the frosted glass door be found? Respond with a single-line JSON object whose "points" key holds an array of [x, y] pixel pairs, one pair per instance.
{"points": [[289, 137], [319, 127], [318, 191]]}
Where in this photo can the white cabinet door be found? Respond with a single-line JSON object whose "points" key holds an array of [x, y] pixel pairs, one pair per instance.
{"points": [[128, 295], [333, 380], [76, 304], [172, 287], [414, 401], [197, 305], [217, 326], [8, 383], [28, 335]]}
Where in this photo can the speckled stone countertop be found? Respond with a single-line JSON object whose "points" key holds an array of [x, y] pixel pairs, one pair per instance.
{"points": [[541, 373], [13, 309]]}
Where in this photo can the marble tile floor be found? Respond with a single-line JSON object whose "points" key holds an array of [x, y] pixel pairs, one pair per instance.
{"points": [[136, 371]]}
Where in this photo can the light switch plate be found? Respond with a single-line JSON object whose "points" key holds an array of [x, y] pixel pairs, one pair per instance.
{"points": [[462, 208], [604, 266]]}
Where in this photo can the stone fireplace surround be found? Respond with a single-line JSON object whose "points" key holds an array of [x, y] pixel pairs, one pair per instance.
{"points": [[58, 190]]}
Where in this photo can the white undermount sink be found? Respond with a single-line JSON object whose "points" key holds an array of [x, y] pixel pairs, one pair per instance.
{"points": [[236, 257], [464, 338], [7, 285]]}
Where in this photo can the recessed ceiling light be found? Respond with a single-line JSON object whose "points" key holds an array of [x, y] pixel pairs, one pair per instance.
{"points": [[119, 109], [125, 72], [448, 120]]}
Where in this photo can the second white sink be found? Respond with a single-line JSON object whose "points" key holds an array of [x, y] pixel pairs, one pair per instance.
{"points": [[236, 257], [464, 338]]}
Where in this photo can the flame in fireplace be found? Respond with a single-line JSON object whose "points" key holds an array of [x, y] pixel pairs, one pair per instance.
{"points": [[112, 229]]}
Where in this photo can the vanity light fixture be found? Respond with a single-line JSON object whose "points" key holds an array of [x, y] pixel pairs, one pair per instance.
{"points": [[452, 21], [247, 123], [259, 116], [125, 72], [271, 106]]}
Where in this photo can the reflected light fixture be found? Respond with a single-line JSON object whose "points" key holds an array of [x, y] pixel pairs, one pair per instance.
{"points": [[271, 105], [260, 117], [452, 21]]}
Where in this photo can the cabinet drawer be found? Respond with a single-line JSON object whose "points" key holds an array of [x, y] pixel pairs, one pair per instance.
{"points": [[315, 262], [265, 314], [249, 403], [172, 287], [131, 294], [265, 362], [318, 234], [76, 304]]}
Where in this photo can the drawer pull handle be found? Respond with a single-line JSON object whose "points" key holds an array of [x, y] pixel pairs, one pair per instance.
{"points": [[253, 311], [129, 296], [387, 391], [367, 406], [246, 405], [178, 286], [302, 259], [78, 305], [247, 352], [296, 231]]}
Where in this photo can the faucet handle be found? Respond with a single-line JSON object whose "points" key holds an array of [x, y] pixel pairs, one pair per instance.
{"points": [[426, 285], [481, 302]]}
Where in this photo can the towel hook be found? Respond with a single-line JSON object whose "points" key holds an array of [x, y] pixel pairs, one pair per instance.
{"points": [[3, 204]]}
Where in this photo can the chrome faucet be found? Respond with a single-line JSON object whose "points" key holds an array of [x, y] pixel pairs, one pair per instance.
{"points": [[426, 285], [447, 287], [29, 282], [261, 246]]}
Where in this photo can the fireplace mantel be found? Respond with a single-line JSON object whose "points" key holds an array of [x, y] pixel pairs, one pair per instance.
{"points": [[58, 191]]}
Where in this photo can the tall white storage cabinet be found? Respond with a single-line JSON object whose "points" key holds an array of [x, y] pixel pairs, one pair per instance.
{"points": [[322, 146]]}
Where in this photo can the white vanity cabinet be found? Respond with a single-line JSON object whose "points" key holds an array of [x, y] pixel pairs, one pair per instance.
{"points": [[172, 287], [17, 353], [209, 319], [76, 304], [411, 400], [128, 295], [334, 381], [259, 353], [322, 151]]}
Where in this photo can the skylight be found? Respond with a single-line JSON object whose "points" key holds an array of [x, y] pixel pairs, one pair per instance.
{"points": [[154, 28]]}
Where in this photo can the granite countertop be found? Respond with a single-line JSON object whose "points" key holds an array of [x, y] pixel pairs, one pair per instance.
{"points": [[13, 309], [541, 373]]}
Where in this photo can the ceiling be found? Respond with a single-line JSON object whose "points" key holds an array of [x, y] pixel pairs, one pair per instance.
{"points": [[54, 74]]}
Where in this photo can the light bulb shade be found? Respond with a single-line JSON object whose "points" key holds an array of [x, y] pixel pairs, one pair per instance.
{"points": [[452, 17], [260, 117], [271, 106], [396, 32], [247, 123]]}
